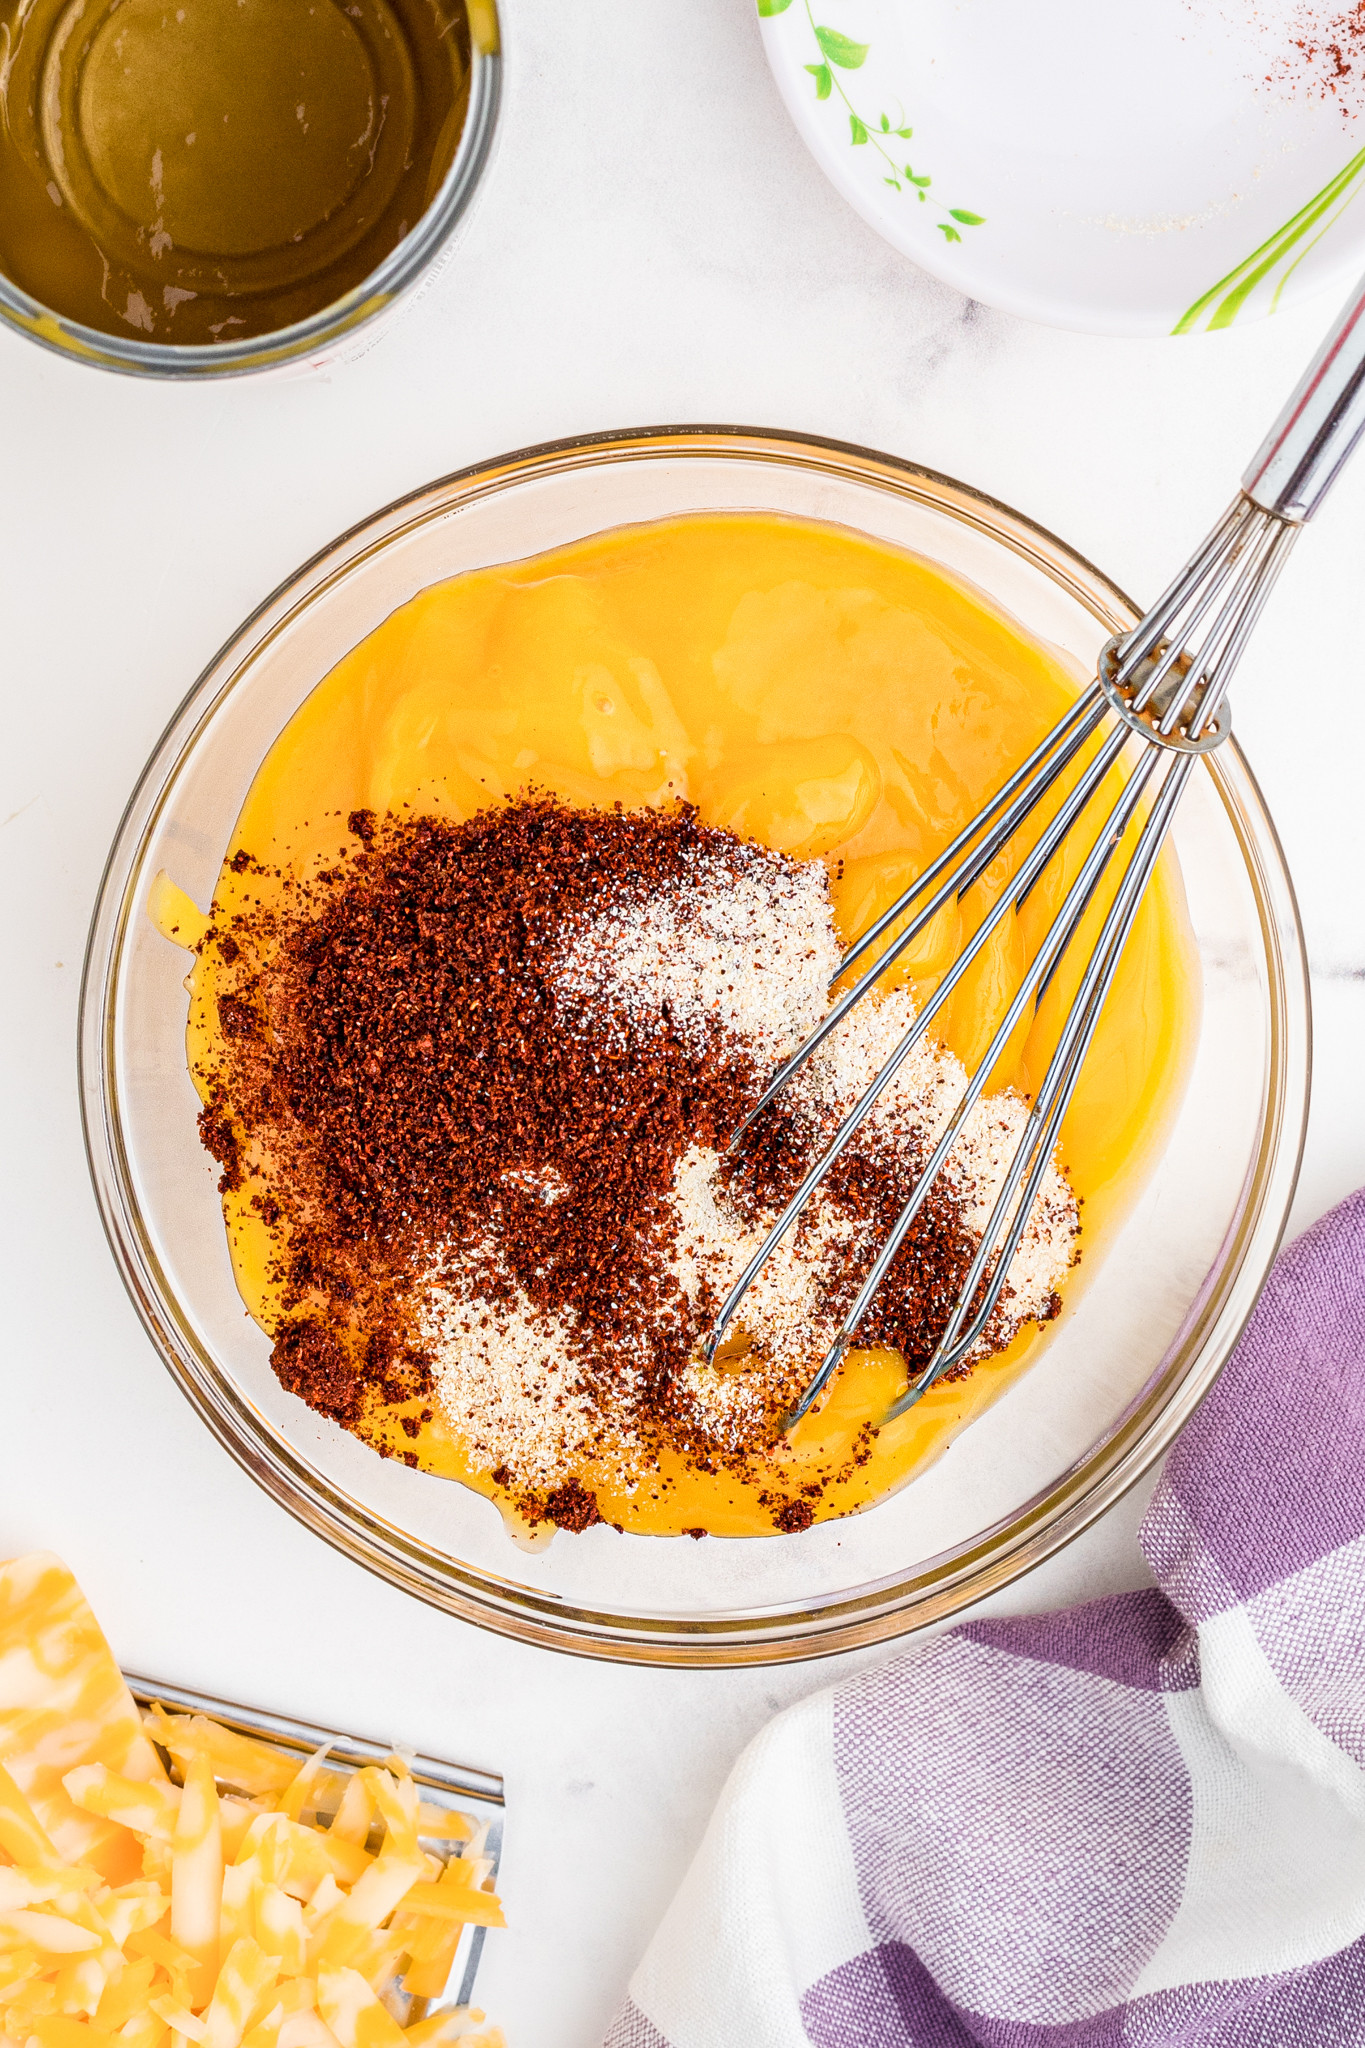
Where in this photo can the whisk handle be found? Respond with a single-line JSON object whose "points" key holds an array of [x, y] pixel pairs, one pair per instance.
{"points": [[1306, 449]]}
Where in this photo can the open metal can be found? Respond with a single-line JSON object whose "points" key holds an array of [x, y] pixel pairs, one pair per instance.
{"points": [[336, 331]]}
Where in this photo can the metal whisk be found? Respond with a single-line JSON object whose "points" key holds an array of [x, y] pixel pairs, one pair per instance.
{"points": [[1161, 689]]}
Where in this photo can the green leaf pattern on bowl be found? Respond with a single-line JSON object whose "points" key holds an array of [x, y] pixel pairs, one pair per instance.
{"points": [[1263, 274], [840, 53]]}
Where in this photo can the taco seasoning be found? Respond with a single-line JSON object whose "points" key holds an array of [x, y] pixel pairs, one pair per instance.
{"points": [[193, 172]]}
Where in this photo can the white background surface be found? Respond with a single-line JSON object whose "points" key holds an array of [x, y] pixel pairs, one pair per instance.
{"points": [[652, 245]]}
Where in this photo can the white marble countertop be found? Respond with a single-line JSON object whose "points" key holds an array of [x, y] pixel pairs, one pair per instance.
{"points": [[652, 245]]}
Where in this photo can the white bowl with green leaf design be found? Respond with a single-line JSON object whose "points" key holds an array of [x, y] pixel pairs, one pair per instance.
{"points": [[1119, 166]]}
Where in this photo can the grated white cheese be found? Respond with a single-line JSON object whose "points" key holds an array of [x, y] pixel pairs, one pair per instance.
{"points": [[745, 945], [506, 1376]]}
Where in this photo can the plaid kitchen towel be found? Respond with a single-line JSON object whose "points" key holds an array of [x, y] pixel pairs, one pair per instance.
{"points": [[1136, 1824]]}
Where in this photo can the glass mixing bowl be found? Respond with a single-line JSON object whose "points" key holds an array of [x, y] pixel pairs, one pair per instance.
{"points": [[1121, 1372]]}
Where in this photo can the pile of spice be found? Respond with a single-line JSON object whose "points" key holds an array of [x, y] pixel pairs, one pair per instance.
{"points": [[480, 1078]]}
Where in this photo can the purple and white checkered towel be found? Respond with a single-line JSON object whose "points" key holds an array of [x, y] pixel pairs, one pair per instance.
{"points": [[1136, 1824]]}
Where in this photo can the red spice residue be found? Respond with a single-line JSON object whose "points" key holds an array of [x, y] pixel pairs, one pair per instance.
{"points": [[309, 1359], [571, 1506], [1330, 42], [793, 1516], [1314, 49]]}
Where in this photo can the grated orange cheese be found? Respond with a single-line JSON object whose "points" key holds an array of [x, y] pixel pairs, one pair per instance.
{"points": [[241, 1908]]}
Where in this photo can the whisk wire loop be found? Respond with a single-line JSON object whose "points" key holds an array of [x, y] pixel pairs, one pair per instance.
{"points": [[1009, 900], [1038, 1143], [1215, 668], [1212, 560], [1193, 600], [1043, 964]]}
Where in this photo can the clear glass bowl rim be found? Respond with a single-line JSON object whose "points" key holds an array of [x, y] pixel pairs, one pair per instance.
{"points": [[386, 284], [937, 1588]]}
